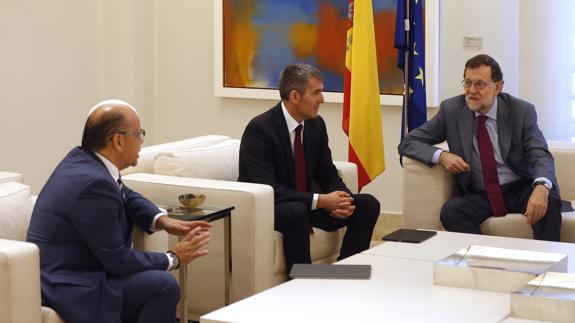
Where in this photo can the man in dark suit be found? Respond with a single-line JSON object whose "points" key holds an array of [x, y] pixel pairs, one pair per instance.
{"points": [[497, 152], [82, 224], [307, 188]]}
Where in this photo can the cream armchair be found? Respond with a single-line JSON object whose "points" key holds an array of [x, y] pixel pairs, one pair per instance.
{"points": [[20, 297], [426, 189], [209, 165]]}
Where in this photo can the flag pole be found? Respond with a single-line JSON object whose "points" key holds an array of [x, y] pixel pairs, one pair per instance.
{"points": [[407, 24]]}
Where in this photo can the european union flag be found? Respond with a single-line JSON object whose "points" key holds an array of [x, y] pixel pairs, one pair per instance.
{"points": [[415, 113]]}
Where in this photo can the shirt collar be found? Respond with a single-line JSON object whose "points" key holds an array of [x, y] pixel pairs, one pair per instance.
{"points": [[290, 121], [112, 169], [492, 113]]}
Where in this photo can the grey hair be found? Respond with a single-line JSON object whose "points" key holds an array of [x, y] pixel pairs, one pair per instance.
{"points": [[295, 77]]}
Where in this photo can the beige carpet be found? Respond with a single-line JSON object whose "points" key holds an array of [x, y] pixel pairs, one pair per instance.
{"points": [[386, 223]]}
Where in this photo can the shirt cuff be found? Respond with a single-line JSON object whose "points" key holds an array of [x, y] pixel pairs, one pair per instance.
{"points": [[548, 183], [314, 201], [435, 157], [162, 213]]}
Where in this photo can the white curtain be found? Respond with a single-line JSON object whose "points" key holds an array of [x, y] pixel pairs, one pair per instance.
{"points": [[496, 22], [547, 63]]}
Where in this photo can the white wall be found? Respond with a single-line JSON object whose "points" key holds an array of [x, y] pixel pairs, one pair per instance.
{"points": [[128, 56], [532, 41], [546, 75], [496, 22], [50, 65], [60, 57]]}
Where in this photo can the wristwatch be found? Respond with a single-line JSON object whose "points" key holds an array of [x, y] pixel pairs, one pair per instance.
{"points": [[174, 260], [540, 182]]}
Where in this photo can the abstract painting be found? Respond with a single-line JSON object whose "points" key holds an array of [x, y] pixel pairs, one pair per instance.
{"points": [[260, 37]]}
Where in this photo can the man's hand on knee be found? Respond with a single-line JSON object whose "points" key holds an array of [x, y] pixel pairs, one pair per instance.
{"points": [[339, 204], [453, 163], [537, 204]]}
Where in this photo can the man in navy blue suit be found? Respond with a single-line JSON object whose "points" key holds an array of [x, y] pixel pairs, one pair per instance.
{"points": [[82, 223]]}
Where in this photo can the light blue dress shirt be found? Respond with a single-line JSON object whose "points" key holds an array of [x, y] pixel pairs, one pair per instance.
{"points": [[506, 175]]}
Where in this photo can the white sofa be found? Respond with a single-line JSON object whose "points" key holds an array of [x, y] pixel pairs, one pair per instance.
{"points": [[426, 189], [209, 165], [20, 297]]}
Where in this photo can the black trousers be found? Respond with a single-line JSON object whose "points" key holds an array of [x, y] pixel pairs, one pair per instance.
{"points": [[466, 213], [293, 220]]}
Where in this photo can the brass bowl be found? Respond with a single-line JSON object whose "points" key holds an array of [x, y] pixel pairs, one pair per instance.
{"points": [[191, 200]]}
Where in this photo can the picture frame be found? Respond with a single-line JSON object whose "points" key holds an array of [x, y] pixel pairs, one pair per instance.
{"points": [[431, 62]]}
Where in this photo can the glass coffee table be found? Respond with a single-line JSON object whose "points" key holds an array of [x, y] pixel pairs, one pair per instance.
{"points": [[207, 213]]}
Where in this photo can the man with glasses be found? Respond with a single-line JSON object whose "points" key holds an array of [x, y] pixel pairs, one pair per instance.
{"points": [[497, 152], [82, 223]]}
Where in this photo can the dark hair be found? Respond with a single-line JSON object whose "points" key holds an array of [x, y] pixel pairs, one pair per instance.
{"points": [[485, 60], [295, 77], [102, 126]]}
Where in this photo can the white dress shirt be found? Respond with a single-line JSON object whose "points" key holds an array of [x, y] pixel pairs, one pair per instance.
{"points": [[292, 125], [115, 173]]}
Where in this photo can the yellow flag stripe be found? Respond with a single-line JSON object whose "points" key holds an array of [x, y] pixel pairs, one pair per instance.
{"points": [[365, 130]]}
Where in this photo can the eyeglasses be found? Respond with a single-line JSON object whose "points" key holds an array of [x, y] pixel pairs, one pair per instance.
{"points": [[140, 133], [479, 85]]}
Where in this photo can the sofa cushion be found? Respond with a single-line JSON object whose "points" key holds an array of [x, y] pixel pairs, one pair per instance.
{"points": [[148, 154], [324, 249], [16, 204], [514, 225], [218, 161]]}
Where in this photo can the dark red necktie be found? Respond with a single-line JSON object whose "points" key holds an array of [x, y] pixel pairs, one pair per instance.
{"points": [[490, 177], [299, 162]]}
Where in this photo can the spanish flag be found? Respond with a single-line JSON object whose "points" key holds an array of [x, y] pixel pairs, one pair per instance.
{"points": [[361, 107]]}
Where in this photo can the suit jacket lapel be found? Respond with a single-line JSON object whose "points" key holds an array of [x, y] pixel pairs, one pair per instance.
{"points": [[124, 216], [465, 124], [504, 127], [283, 135], [97, 159]]}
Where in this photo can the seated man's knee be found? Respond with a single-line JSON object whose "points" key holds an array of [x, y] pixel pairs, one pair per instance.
{"points": [[292, 210], [168, 286], [448, 213], [292, 214], [369, 203]]}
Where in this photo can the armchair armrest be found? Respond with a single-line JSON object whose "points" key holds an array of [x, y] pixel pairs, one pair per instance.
{"points": [[348, 173], [564, 155], [425, 190], [253, 244], [252, 231], [10, 177], [20, 299]]}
